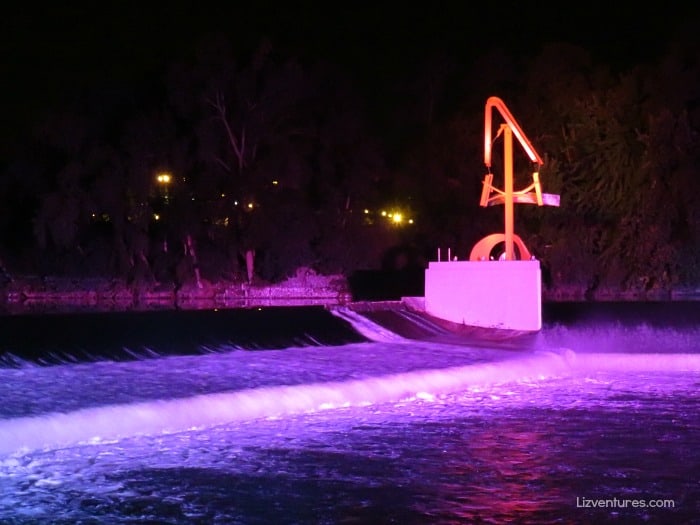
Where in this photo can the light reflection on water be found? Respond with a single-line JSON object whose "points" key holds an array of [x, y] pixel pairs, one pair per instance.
{"points": [[524, 450]]}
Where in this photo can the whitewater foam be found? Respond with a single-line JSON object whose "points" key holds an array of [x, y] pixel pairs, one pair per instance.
{"points": [[167, 416]]}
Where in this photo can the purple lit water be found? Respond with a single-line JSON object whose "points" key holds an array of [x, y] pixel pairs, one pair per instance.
{"points": [[386, 431]]}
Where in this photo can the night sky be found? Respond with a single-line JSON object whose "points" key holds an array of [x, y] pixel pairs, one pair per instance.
{"points": [[56, 48]]}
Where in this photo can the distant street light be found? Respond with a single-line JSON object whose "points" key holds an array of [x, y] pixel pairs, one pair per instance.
{"points": [[164, 180]]}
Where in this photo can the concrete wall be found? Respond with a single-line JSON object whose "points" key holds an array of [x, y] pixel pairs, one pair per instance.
{"points": [[491, 294]]}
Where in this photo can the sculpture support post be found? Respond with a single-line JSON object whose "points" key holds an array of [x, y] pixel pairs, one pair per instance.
{"points": [[508, 187]]}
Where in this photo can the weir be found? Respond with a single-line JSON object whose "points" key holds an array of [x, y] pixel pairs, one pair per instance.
{"points": [[270, 384], [107, 423], [400, 424], [113, 422]]}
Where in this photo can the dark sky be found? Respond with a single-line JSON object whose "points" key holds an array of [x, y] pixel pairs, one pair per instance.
{"points": [[60, 45]]}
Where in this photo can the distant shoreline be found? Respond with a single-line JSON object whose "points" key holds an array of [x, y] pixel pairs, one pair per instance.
{"points": [[33, 294], [51, 294]]}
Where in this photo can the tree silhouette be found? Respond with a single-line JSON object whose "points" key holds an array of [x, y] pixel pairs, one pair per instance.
{"points": [[279, 156]]}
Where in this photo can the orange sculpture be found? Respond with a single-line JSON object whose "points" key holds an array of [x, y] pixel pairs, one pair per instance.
{"points": [[490, 195]]}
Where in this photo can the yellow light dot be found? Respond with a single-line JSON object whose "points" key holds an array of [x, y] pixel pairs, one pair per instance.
{"points": [[383, 214], [156, 216], [397, 217], [275, 182], [366, 210], [250, 205]]}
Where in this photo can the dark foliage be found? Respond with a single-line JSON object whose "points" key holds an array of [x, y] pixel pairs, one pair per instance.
{"points": [[283, 157]]}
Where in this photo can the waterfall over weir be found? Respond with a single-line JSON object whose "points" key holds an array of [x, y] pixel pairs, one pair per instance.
{"points": [[172, 415], [317, 416], [357, 374]]}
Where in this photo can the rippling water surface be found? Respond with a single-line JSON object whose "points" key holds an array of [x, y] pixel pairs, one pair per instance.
{"points": [[378, 429]]}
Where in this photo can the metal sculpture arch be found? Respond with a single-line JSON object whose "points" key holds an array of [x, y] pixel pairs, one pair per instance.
{"points": [[490, 195]]}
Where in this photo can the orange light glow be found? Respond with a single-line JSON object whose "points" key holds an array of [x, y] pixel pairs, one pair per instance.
{"points": [[512, 124], [163, 178]]}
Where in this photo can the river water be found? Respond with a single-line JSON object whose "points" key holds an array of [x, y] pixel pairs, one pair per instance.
{"points": [[304, 415]]}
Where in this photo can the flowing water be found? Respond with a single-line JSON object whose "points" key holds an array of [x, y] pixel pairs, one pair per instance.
{"points": [[301, 416]]}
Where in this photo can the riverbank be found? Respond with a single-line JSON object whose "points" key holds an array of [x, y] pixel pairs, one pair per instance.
{"points": [[45, 294], [28, 294], [576, 294]]}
